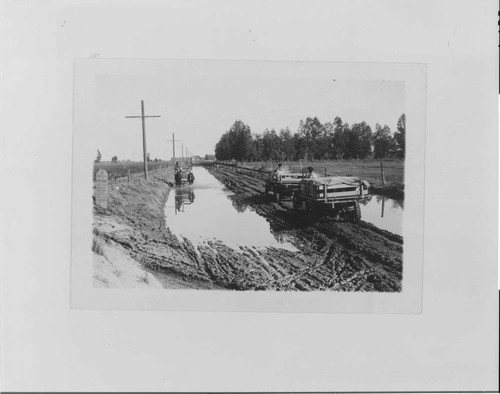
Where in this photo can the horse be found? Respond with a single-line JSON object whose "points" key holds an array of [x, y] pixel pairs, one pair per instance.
{"points": [[190, 178]]}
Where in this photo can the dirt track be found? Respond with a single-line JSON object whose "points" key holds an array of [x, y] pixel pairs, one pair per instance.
{"points": [[333, 255]]}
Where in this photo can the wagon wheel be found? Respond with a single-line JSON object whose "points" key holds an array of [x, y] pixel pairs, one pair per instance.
{"points": [[296, 205], [310, 212], [356, 213]]}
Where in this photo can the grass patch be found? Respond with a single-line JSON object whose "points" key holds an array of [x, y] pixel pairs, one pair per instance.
{"points": [[97, 246], [368, 170], [121, 168]]}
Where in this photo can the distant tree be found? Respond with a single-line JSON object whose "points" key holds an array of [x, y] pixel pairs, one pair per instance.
{"points": [[299, 145], [328, 141], [223, 148], [114, 159], [359, 141], [340, 136], [400, 137], [257, 148], [382, 142], [242, 145], [271, 145], [286, 144], [311, 135], [235, 144], [99, 156]]}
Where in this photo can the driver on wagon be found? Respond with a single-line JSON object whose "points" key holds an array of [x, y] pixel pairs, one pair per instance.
{"points": [[278, 171], [311, 174]]}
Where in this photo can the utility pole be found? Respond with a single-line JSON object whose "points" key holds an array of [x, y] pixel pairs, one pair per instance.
{"points": [[143, 117], [173, 145]]}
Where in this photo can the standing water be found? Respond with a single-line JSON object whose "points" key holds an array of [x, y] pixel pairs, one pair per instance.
{"points": [[205, 212], [383, 212]]}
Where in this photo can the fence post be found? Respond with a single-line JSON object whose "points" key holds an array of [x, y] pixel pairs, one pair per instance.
{"points": [[128, 176], [382, 173]]}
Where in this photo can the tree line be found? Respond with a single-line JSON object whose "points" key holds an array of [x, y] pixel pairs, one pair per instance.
{"points": [[313, 141]]}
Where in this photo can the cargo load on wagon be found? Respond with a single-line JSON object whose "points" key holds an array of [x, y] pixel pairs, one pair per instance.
{"points": [[331, 195], [283, 183]]}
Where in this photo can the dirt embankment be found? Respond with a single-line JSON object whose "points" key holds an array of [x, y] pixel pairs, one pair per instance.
{"points": [[332, 255], [134, 226]]}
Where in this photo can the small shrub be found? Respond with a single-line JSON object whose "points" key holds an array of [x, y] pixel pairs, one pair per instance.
{"points": [[97, 246], [144, 279]]}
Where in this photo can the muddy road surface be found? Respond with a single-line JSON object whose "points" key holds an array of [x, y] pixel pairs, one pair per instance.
{"points": [[332, 254], [145, 221]]}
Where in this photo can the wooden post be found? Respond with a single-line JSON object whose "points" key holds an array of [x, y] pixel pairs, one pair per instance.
{"points": [[144, 150], [101, 191], [173, 147], [129, 176], [382, 173], [325, 171], [383, 203]]}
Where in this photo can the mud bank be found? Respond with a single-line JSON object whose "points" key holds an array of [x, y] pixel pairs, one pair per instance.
{"points": [[134, 225], [331, 255]]}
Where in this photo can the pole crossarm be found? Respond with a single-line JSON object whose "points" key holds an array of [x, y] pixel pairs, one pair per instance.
{"points": [[173, 140], [143, 117]]}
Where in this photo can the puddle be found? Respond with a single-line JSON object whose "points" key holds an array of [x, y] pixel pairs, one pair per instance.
{"points": [[383, 212], [205, 212]]}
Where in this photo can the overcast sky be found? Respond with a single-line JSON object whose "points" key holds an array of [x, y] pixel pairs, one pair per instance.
{"points": [[200, 100]]}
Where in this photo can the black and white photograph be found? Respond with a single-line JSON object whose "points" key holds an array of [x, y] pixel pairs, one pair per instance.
{"points": [[248, 176]]}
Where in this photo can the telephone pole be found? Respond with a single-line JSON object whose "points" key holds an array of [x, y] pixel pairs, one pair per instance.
{"points": [[173, 146], [143, 117]]}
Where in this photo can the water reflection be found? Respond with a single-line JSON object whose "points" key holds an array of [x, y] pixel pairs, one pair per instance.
{"points": [[183, 196], [218, 215], [239, 205], [383, 212]]}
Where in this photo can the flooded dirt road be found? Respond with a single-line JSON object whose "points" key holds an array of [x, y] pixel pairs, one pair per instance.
{"points": [[207, 211], [335, 255], [383, 212], [224, 233]]}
